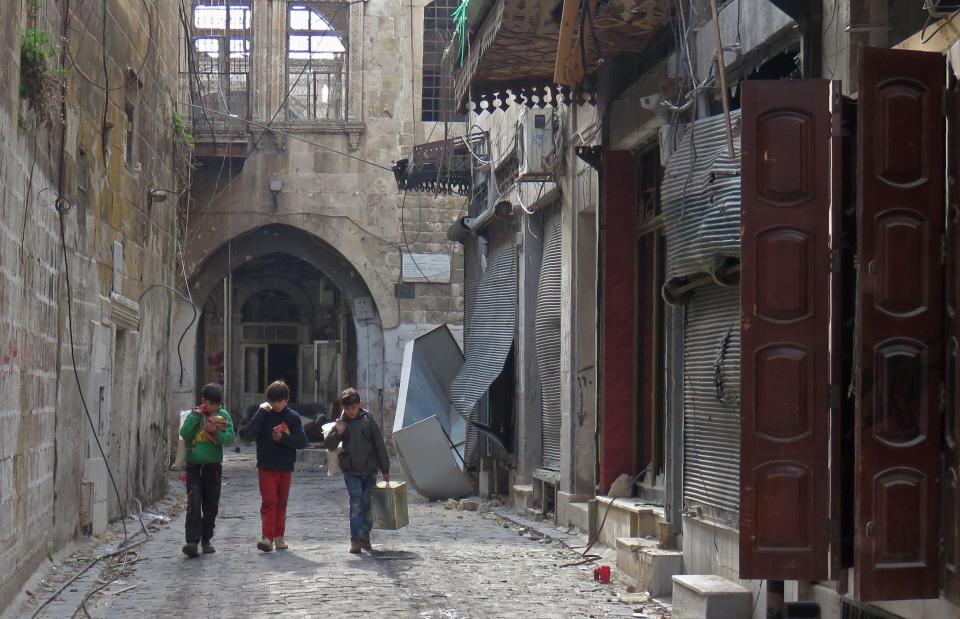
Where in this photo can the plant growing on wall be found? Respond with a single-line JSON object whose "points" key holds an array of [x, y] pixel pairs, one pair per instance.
{"points": [[41, 80]]}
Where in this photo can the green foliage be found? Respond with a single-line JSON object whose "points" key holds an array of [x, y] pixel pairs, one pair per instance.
{"points": [[23, 122], [181, 132], [40, 78]]}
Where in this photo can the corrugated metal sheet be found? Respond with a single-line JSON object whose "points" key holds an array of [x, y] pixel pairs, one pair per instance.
{"points": [[547, 327], [701, 198], [711, 397], [490, 322]]}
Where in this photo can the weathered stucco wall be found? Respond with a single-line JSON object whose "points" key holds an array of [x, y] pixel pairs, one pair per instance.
{"points": [[53, 484]]}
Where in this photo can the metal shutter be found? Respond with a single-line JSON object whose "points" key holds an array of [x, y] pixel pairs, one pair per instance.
{"points": [[547, 328], [711, 399], [489, 324]]}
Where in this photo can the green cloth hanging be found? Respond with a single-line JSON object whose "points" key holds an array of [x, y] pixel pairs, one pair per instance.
{"points": [[459, 17]]}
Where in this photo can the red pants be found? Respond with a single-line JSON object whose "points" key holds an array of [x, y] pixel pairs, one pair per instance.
{"points": [[274, 491]]}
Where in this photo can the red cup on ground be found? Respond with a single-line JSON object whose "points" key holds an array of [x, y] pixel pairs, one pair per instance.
{"points": [[602, 573]]}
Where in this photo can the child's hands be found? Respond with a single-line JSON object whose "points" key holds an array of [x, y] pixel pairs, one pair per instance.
{"points": [[341, 427], [277, 436]]}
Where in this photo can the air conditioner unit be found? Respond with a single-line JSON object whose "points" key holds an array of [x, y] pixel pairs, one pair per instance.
{"points": [[942, 8], [536, 145]]}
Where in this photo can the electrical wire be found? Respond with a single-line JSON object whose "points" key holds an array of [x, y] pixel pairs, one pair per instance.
{"points": [[185, 331], [301, 139], [589, 558]]}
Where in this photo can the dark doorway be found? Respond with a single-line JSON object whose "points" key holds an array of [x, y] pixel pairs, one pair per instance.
{"points": [[282, 364]]}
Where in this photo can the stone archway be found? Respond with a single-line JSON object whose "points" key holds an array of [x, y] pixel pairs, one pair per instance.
{"points": [[282, 240]]}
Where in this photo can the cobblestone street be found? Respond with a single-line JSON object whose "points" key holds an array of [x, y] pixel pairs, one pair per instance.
{"points": [[446, 563]]}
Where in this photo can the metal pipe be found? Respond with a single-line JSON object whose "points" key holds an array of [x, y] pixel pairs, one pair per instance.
{"points": [[722, 71]]}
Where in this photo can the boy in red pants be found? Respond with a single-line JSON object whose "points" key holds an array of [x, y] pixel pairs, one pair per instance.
{"points": [[279, 434]]}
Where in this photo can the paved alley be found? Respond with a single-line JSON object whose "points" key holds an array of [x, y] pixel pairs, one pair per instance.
{"points": [[446, 563]]}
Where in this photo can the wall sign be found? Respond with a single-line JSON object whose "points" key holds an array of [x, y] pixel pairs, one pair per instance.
{"points": [[433, 268]]}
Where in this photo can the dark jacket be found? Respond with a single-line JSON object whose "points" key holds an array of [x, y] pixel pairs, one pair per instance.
{"points": [[364, 452], [272, 455]]}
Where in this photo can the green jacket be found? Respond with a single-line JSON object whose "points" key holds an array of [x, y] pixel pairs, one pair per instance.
{"points": [[200, 449]]}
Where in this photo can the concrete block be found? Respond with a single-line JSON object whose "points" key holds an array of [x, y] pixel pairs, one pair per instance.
{"points": [[486, 484], [650, 568], [710, 597], [522, 496], [101, 518]]}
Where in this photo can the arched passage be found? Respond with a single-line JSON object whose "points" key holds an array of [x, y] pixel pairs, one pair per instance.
{"points": [[296, 309]]}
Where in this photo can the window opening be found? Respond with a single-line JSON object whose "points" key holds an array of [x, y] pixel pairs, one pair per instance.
{"points": [[317, 61], [437, 91], [131, 132], [221, 49]]}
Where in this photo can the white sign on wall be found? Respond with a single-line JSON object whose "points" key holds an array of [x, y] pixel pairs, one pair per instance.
{"points": [[433, 268]]}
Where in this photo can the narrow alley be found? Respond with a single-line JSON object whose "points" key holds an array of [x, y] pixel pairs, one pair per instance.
{"points": [[447, 563]]}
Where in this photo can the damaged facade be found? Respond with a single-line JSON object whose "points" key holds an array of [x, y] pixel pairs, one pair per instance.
{"points": [[691, 366], [78, 178], [306, 261], [240, 160]]}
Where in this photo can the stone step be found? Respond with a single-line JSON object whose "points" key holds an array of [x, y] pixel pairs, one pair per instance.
{"points": [[579, 515], [710, 597], [649, 567], [522, 497]]}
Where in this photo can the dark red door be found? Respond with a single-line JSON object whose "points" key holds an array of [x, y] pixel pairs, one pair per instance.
{"points": [[951, 438], [900, 315], [785, 296]]}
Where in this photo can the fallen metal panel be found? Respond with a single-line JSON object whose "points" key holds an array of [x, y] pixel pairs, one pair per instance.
{"points": [[428, 432], [433, 467]]}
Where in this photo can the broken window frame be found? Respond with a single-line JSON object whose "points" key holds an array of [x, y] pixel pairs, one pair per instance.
{"points": [[314, 72], [215, 72]]}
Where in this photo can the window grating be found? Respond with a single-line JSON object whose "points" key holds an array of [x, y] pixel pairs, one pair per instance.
{"points": [[317, 61], [437, 96], [219, 51]]}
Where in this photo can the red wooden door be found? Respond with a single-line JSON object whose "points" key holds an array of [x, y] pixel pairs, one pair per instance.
{"points": [[900, 315], [951, 438], [785, 296]]}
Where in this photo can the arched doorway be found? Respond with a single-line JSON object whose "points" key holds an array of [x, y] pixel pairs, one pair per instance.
{"points": [[279, 303]]}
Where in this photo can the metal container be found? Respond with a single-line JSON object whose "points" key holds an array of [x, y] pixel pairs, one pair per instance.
{"points": [[388, 502]]}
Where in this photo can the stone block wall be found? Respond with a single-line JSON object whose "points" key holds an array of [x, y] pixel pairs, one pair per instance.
{"points": [[52, 487]]}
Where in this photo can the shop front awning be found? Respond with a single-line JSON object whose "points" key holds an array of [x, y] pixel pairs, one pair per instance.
{"points": [[591, 32], [511, 49]]}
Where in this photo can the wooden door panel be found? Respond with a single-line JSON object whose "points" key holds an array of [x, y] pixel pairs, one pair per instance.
{"points": [[900, 317], [787, 191]]}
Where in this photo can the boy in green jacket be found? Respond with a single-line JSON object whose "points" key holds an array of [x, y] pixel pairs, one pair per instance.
{"points": [[206, 430]]}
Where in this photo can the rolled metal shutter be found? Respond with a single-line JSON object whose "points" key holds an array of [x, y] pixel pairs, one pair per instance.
{"points": [[711, 397], [547, 329], [490, 322]]}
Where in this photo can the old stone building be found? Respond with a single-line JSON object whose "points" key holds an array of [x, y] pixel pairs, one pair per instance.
{"points": [[294, 208], [232, 158], [75, 198]]}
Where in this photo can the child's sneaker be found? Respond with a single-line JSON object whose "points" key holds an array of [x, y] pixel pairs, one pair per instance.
{"points": [[355, 546], [280, 543], [207, 548], [265, 545], [365, 542], [190, 550]]}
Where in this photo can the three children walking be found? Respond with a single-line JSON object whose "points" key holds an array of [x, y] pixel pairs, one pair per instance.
{"points": [[278, 432]]}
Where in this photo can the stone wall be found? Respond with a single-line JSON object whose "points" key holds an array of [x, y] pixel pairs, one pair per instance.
{"points": [[53, 483]]}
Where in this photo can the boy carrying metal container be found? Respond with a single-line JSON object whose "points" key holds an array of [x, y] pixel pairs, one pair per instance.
{"points": [[363, 453]]}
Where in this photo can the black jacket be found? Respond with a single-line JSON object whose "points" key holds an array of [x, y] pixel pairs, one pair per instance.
{"points": [[271, 455], [364, 452]]}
